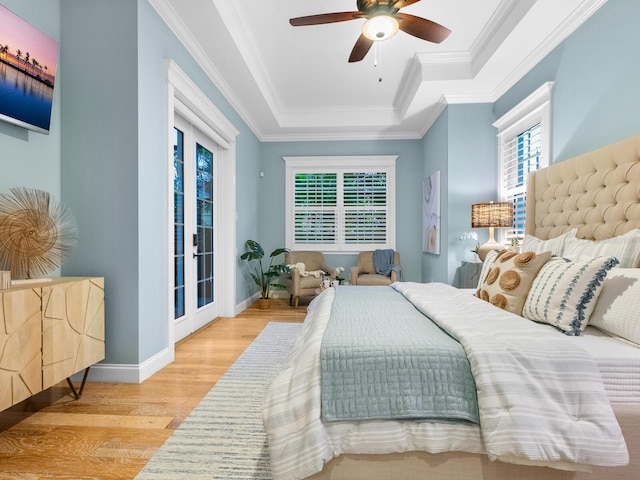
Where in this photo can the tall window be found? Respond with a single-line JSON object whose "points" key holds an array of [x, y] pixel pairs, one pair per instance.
{"points": [[522, 156], [344, 204], [524, 147]]}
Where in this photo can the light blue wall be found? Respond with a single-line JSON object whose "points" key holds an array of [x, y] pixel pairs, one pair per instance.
{"points": [[100, 157], [462, 146], [408, 194], [31, 159], [435, 152], [595, 98], [472, 177], [114, 162]]}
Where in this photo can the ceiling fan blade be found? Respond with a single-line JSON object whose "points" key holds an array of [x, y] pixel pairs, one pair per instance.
{"points": [[324, 18], [403, 3], [360, 49], [422, 28]]}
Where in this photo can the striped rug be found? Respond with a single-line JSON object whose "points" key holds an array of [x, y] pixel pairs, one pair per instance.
{"points": [[223, 438]]}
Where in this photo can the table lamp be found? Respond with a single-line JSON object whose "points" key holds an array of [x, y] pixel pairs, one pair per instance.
{"points": [[491, 215]]}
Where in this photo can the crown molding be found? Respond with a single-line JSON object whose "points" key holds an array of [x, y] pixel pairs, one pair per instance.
{"points": [[342, 136], [577, 18], [506, 17], [179, 29], [233, 23], [437, 109], [460, 65]]}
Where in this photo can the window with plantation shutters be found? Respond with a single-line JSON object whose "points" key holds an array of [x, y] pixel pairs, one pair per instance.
{"points": [[340, 204], [521, 156], [523, 147]]}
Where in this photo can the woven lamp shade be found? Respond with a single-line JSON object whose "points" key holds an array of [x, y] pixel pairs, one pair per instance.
{"points": [[492, 214]]}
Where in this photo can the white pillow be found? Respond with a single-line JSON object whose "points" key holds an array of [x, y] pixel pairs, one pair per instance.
{"points": [[565, 293], [626, 248], [554, 245], [618, 308]]}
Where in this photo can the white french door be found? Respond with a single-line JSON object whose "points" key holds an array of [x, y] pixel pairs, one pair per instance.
{"points": [[195, 206]]}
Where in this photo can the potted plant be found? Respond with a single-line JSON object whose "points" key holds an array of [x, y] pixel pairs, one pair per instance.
{"points": [[264, 278]]}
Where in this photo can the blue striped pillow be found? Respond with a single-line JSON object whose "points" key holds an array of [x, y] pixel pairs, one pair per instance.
{"points": [[564, 293]]}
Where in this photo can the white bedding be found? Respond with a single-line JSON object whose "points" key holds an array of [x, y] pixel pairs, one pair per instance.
{"points": [[618, 361], [300, 444], [619, 364]]}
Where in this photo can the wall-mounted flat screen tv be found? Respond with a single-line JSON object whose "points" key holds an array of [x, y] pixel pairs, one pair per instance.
{"points": [[28, 59]]}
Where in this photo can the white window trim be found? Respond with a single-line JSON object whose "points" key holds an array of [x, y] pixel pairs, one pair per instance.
{"points": [[536, 108], [329, 165]]}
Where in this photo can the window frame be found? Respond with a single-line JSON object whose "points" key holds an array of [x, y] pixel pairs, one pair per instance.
{"points": [[340, 165], [534, 109]]}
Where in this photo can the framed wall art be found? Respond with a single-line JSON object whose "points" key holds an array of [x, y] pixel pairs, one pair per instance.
{"points": [[431, 214]]}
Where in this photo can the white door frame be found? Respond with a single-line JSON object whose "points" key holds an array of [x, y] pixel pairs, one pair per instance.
{"points": [[185, 98], [196, 317]]}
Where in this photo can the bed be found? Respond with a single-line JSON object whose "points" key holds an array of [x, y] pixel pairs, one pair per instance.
{"points": [[582, 206]]}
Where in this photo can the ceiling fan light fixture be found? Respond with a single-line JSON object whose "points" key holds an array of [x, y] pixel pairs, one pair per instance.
{"points": [[380, 27]]}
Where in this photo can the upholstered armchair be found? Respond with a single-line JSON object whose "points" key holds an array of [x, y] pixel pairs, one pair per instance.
{"points": [[364, 273], [305, 281]]}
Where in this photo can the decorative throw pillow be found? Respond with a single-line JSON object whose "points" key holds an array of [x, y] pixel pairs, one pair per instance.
{"points": [[617, 309], [510, 278], [486, 266], [555, 245], [626, 248], [565, 293]]}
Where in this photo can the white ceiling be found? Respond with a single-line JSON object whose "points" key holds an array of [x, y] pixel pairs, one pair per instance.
{"points": [[294, 83]]}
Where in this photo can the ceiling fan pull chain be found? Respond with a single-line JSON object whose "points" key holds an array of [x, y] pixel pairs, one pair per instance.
{"points": [[378, 57], [376, 51]]}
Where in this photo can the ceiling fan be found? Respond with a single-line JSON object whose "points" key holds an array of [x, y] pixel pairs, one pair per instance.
{"points": [[383, 21]]}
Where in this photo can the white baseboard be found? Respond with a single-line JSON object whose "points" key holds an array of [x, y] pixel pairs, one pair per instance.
{"points": [[138, 373], [247, 303], [127, 373]]}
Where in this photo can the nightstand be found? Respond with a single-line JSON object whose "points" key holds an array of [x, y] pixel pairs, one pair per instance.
{"points": [[470, 274]]}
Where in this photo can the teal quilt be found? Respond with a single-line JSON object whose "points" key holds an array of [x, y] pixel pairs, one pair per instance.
{"points": [[381, 358]]}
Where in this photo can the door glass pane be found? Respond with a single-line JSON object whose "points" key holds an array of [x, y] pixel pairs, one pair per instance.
{"points": [[178, 215], [204, 224]]}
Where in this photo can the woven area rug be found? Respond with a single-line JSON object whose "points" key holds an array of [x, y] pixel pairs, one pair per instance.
{"points": [[223, 438]]}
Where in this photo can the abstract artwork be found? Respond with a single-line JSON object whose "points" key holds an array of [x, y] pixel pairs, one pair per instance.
{"points": [[431, 214]]}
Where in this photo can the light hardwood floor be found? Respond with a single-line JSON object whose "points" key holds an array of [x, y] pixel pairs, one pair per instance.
{"points": [[114, 429]]}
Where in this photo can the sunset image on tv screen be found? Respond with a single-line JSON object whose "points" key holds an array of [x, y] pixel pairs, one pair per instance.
{"points": [[28, 60]]}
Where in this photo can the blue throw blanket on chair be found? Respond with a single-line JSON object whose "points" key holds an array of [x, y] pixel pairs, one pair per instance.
{"points": [[383, 263]]}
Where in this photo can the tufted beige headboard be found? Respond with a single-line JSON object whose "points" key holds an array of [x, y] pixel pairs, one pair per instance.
{"points": [[597, 192]]}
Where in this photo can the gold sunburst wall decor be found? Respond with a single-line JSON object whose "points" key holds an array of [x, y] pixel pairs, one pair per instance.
{"points": [[36, 232]]}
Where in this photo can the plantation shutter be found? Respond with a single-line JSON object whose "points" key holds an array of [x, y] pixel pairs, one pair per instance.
{"points": [[521, 155], [365, 207], [315, 208]]}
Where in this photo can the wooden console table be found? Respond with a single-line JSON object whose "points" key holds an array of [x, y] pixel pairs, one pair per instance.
{"points": [[49, 331]]}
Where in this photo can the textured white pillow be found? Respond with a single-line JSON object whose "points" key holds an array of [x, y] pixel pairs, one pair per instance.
{"points": [[626, 248], [618, 308], [554, 245], [486, 266], [565, 293]]}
